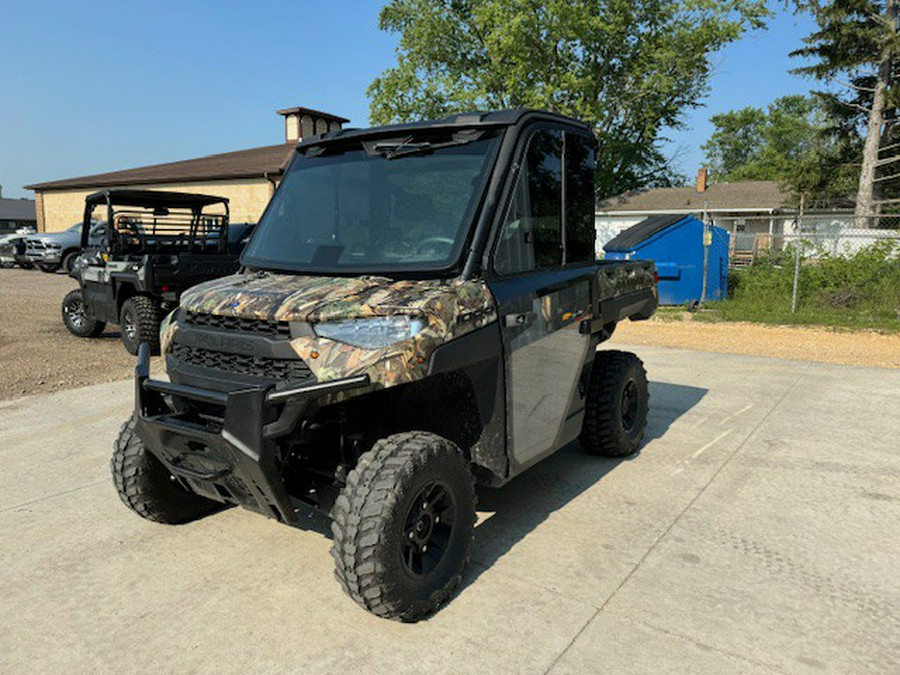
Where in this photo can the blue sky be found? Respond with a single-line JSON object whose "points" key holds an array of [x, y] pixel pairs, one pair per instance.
{"points": [[101, 86]]}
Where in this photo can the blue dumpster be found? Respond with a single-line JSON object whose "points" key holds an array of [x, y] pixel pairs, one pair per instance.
{"points": [[675, 244]]}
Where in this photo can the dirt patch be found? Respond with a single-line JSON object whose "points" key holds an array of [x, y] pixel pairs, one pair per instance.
{"points": [[854, 348], [37, 353]]}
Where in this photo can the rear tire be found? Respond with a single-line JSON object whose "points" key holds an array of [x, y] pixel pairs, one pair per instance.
{"points": [[146, 487], [617, 404], [76, 318], [139, 320], [403, 526]]}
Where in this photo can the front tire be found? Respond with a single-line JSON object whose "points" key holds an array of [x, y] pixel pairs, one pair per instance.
{"points": [[617, 404], [68, 262], [76, 318], [146, 487], [403, 525], [139, 320]]}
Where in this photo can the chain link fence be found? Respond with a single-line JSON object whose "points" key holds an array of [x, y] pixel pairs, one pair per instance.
{"points": [[815, 247], [763, 238]]}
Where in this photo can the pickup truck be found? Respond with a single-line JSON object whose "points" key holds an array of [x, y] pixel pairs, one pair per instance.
{"points": [[12, 250], [418, 310], [52, 251]]}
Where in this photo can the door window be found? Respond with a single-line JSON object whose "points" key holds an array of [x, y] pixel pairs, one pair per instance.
{"points": [[531, 236], [579, 199]]}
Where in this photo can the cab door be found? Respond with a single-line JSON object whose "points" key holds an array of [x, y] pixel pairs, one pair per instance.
{"points": [[544, 278]]}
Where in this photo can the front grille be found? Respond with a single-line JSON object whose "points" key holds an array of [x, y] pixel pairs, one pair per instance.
{"points": [[285, 370], [256, 326], [36, 245]]}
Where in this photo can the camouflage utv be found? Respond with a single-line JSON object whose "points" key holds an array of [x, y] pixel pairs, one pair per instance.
{"points": [[418, 311]]}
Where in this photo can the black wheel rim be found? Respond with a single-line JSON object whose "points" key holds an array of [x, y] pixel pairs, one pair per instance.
{"points": [[75, 313], [129, 328], [428, 529], [629, 405]]}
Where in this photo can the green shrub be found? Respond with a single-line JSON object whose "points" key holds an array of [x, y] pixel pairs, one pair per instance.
{"points": [[859, 290]]}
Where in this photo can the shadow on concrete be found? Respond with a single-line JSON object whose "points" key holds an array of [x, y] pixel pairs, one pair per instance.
{"points": [[524, 503]]}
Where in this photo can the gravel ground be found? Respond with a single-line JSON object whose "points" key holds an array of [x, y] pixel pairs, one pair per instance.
{"points": [[38, 355], [854, 348]]}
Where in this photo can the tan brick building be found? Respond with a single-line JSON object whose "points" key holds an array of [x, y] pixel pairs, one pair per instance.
{"points": [[246, 177]]}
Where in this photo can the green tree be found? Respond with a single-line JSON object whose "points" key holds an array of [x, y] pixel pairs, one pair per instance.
{"points": [[794, 141], [854, 48], [630, 68]]}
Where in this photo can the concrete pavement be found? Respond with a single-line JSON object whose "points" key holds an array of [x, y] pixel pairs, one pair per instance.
{"points": [[758, 530]]}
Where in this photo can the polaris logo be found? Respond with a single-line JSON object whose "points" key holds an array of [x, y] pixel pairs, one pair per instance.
{"points": [[222, 343]]}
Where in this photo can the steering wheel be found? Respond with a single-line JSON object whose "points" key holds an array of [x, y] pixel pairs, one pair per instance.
{"points": [[357, 250], [435, 244], [395, 244]]}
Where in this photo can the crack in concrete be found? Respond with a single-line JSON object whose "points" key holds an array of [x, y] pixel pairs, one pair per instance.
{"points": [[44, 498]]}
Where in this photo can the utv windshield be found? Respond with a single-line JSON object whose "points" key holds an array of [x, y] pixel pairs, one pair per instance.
{"points": [[378, 206]]}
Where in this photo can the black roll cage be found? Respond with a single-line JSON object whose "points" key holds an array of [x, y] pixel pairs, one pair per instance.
{"points": [[155, 200]]}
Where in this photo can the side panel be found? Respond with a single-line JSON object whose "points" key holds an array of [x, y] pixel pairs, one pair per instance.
{"points": [[545, 358]]}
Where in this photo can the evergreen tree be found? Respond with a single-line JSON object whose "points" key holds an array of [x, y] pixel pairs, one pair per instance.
{"points": [[854, 48]]}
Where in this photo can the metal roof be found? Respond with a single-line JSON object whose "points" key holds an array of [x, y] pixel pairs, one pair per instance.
{"points": [[151, 198], [17, 209]]}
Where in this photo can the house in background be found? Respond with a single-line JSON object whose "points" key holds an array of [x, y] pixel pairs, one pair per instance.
{"points": [[749, 210], [16, 214], [246, 177]]}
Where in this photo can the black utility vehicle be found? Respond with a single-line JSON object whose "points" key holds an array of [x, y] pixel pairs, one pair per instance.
{"points": [[158, 245], [419, 310]]}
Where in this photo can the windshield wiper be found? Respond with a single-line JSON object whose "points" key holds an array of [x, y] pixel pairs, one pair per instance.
{"points": [[408, 146]]}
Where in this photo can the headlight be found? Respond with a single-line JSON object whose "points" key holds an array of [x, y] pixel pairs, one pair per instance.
{"points": [[371, 333]]}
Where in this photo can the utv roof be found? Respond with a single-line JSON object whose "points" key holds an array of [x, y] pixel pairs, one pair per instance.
{"points": [[151, 198], [469, 120]]}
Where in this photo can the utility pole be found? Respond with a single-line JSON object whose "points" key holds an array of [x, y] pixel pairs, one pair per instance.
{"points": [[797, 245], [865, 196], [707, 240]]}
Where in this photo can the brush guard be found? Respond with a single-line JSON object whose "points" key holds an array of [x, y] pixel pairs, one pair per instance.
{"points": [[229, 455]]}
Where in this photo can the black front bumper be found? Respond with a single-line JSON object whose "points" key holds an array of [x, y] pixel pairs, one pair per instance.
{"points": [[224, 445]]}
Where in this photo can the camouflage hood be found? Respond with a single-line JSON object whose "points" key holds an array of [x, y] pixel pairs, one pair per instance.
{"points": [[448, 309], [287, 297]]}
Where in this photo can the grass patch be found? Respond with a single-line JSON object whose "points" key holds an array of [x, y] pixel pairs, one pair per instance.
{"points": [[860, 291]]}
